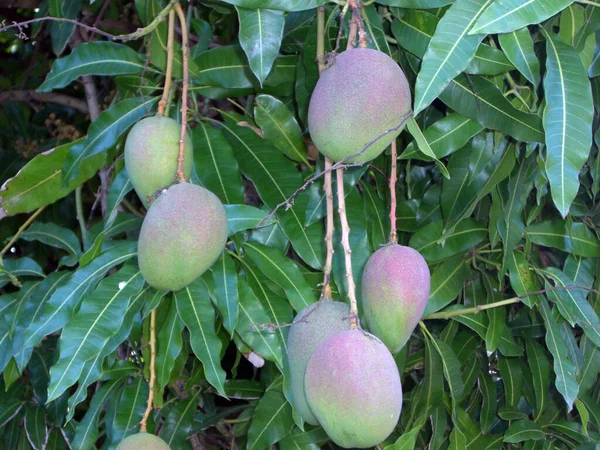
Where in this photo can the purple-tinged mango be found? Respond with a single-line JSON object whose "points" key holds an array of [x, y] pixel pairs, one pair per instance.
{"points": [[143, 441], [353, 388], [151, 152], [312, 326], [360, 96], [182, 235], [395, 289]]}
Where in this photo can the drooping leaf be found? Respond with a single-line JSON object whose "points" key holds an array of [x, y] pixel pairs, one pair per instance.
{"points": [[245, 217], [56, 236], [226, 296], [170, 344], [92, 58], [129, 410], [62, 31], [271, 421], [446, 282], [179, 421], [465, 235], [518, 47], [540, 371], [523, 430], [35, 426], [567, 121], [576, 238]]}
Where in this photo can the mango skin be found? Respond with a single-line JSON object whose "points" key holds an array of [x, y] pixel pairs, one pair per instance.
{"points": [[151, 152], [143, 441], [353, 388], [182, 235], [362, 94], [395, 289], [312, 326]]}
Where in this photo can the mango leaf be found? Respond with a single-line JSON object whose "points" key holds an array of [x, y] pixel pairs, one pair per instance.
{"points": [[129, 409], [281, 5], [576, 238], [104, 132], [260, 36], [99, 317], [226, 297], [271, 422], [423, 145], [432, 388], [523, 430], [11, 269], [92, 58], [215, 166], [489, 405], [451, 367], [479, 99], [539, 362], [450, 50], [283, 272], [170, 343], [245, 217], [280, 127], [179, 422], [55, 236], [60, 32], [446, 282], [522, 280], [60, 306], [465, 235], [567, 121], [566, 381], [518, 48], [35, 426], [512, 378], [506, 16], [39, 182], [407, 441], [197, 313], [591, 365]]}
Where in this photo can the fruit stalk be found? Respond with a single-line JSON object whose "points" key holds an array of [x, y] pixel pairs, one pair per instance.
{"points": [[347, 249], [152, 370], [186, 51], [169, 72], [393, 179]]}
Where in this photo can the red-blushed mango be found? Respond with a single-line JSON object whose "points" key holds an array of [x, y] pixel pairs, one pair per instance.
{"points": [[151, 152], [143, 441], [312, 326], [360, 96], [182, 235], [395, 289], [353, 388]]}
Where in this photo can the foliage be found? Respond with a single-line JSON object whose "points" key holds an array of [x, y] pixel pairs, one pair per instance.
{"points": [[499, 194]]}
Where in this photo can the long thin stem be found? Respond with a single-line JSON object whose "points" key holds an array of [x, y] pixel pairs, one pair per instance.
{"points": [[347, 250], [19, 231], [186, 51], [79, 210], [169, 72], [143, 427], [393, 179]]}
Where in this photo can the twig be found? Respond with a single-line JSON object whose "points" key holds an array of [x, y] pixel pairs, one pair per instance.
{"points": [[79, 213], [340, 164], [169, 72], [152, 370], [393, 179], [19, 231], [353, 29], [44, 97], [347, 250], [99, 17], [184, 94], [140, 32]]}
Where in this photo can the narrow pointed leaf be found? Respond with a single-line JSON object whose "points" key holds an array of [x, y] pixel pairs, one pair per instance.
{"points": [[226, 296], [577, 238], [179, 422], [272, 420], [170, 343], [35, 426], [523, 430], [129, 408], [539, 362], [518, 48], [51, 234], [245, 217]]}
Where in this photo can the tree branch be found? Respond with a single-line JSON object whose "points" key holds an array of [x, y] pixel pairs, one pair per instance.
{"points": [[186, 83], [152, 370], [44, 97]]}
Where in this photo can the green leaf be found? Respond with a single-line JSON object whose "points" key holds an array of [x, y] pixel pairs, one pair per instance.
{"points": [[576, 239], [129, 410], [104, 132], [446, 282], [416, 4], [518, 48], [254, 327], [98, 318], [215, 166], [197, 313], [276, 178], [39, 182], [179, 422], [489, 405], [479, 99], [445, 136], [450, 50], [423, 145], [451, 367], [62, 31], [489, 61], [539, 363], [566, 382], [283, 272], [260, 36], [465, 235], [523, 430], [523, 280], [244, 389], [20, 267], [170, 344], [407, 441], [567, 121], [55, 236], [282, 5], [245, 217], [226, 298], [271, 422], [60, 306], [510, 15], [512, 377], [432, 388], [280, 127], [92, 58], [35, 426]]}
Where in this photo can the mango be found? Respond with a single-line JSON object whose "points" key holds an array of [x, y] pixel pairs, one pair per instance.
{"points": [[353, 388], [151, 152], [362, 94], [395, 289], [143, 441], [311, 327], [182, 235]]}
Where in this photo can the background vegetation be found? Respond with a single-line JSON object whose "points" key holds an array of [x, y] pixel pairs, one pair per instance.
{"points": [[499, 194]]}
